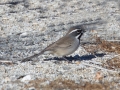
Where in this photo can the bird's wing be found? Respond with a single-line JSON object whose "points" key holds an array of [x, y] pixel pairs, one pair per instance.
{"points": [[61, 43], [64, 42]]}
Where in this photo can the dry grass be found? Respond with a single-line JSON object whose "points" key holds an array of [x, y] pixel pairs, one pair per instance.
{"points": [[60, 84], [108, 46], [102, 45], [113, 63]]}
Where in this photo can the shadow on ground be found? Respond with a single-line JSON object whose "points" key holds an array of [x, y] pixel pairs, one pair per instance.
{"points": [[77, 57]]}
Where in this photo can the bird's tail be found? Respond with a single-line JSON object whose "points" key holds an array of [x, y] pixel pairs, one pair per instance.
{"points": [[29, 58]]}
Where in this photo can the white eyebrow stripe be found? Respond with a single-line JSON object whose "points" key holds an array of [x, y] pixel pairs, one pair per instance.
{"points": [[73, 31]]}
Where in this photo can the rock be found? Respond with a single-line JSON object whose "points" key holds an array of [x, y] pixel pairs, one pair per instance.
{"points": [[26, 78], [32, 88], [23, 34]]}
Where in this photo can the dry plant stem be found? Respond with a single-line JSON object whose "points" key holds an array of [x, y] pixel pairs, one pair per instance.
{"points": [[95, 66], [5, 61]]}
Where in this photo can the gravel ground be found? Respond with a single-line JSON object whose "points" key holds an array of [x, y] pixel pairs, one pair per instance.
{"points": [[28, 26]]}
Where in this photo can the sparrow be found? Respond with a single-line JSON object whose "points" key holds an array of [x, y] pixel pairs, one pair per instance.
{"points": [[66, 45]]}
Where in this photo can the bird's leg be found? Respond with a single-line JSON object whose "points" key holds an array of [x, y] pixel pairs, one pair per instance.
{"points": [[65, 58]]}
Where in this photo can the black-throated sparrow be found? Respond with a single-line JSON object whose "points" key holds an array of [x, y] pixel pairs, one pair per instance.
{"points": [[65, 45]]}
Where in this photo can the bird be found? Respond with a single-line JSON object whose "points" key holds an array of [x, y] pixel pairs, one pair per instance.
{"points": [[64, 46]]}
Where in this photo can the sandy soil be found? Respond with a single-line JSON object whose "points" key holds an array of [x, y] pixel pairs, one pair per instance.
{"points": [[28, 26]]}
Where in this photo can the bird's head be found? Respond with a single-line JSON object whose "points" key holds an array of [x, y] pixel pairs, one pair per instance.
{"points": [[76, 31]]}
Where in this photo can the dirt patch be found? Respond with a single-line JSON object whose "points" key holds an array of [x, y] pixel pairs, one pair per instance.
{"points": [[60, 84], [35, 83]]}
